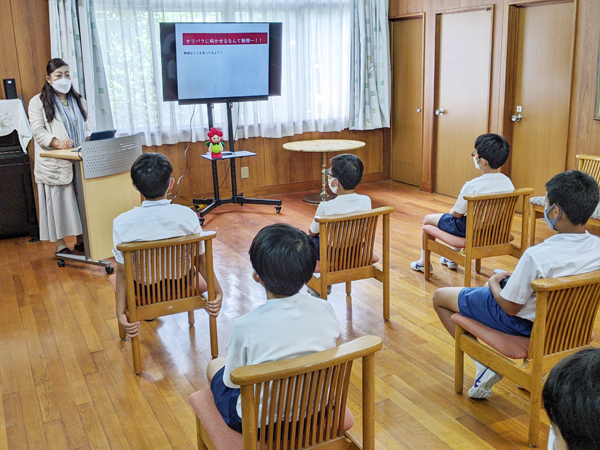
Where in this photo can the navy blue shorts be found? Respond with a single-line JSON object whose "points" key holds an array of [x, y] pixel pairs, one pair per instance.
{"points": [[453, 225], [316, 240], [479, 304], [226, 401]]}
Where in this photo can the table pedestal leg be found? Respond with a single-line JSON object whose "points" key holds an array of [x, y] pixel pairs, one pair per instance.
{"points": [[324, 195]]}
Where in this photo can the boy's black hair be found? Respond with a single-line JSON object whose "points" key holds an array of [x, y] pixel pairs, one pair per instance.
{"points": [[571, 397], [151, 174], [576, 193], [347, 169], [493, 148], [284, 258]]}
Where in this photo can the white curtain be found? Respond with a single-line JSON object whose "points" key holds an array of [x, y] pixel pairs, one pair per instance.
{"points": [[74, 38], [315, 72], [371, 75]]}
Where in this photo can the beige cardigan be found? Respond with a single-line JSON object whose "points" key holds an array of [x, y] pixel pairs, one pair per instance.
{"points": [[50, 171]]}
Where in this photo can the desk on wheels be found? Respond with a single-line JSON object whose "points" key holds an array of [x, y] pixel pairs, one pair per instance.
{"points": [[322, 146], [104, 190], [235, 197]]}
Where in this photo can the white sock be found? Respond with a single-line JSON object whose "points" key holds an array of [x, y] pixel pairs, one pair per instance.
{"points": [[422, 260], [478, 366]]}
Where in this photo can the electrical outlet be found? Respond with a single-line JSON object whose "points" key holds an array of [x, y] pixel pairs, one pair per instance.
{"points": [[245, 172]]}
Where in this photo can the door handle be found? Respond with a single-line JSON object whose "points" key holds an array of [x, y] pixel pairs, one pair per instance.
{"points": [[440, 112], [516, 117], [418, 110]]}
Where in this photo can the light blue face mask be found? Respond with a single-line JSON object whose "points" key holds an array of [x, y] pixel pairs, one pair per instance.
{"points": [[552, 222]]}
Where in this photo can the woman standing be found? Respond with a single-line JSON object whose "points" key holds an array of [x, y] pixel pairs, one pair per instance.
{"points": [[58, 120]]}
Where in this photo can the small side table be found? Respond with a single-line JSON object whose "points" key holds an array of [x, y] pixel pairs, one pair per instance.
{"points": [[322, 146]]}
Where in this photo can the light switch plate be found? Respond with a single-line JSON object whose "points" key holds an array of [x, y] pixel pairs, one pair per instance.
{"points": [[245, 172]]}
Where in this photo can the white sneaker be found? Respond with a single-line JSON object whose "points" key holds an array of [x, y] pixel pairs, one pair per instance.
{"points": [[419, 266], [484, 380], [446, 262]]}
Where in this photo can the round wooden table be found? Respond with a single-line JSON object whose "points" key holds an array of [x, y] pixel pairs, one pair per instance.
{"points": [[322, 146]]}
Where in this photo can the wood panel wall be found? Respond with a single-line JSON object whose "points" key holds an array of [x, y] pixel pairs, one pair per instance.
{"points": [[25, 51], [584, 131]]}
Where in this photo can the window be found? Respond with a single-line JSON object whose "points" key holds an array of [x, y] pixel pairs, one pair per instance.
{"points": [[315, 72]]}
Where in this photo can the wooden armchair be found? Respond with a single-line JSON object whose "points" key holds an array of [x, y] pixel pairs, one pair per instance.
{"points": [[347, 242], [589, 164], [489, 221], [162, 279], [307, 407], [566, 309]]}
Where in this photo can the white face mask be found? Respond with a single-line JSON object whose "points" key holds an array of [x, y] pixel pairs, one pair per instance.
{"points": [[62, 85], [331, 186], [475, 161]]}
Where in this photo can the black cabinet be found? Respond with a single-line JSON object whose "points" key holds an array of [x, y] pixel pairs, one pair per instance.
{"points": [[17, 204]]}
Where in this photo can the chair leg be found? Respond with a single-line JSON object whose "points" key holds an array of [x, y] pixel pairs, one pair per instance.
{"points": [[534, 217], [478, 265], [201, 444], [135, 350], [459, 361], [121, 333], [348, 287], [468, 268], [427, 261], [535, 398], [214, 340], [191, 318]]}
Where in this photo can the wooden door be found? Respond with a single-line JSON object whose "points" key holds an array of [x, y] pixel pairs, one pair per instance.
{"points": [[463, 52], [407, 100], [542, 93]]}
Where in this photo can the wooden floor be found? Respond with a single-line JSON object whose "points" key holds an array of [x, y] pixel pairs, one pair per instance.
{"points": [[66, 379]]}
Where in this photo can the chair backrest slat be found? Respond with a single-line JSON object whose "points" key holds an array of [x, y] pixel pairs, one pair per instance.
{"points": [[492, 219], [589, 164], [350, 243], [571, 312]]}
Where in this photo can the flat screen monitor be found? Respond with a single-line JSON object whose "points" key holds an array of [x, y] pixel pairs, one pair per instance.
{"points": [[220, 62]]}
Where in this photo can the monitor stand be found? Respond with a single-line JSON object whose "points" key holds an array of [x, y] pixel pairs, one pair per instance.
{"points": [[232, 155]]}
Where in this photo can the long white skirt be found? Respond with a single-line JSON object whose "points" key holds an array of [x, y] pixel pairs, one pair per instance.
{"points": [[59, 214]]}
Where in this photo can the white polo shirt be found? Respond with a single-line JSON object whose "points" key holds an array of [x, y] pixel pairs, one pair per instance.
{"points": [[281, 328], [342, 204], [561, 255], [488, 183], [154, 220]]}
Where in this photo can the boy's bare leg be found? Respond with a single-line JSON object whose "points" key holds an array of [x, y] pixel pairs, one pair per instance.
{"points": [[445, 303], [213, 367], [432, 219]]}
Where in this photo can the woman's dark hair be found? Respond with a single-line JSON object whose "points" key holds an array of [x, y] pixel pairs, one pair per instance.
{"points": [[48, 92], [493, 148], [284, 258], [347, 169], [576, 193], [151, 174], [571, 397]]}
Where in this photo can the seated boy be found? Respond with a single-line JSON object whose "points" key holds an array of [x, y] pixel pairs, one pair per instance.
{"points": [[345, 174], [573, 197], [156, 219], [491, 152], [288, 325], [571, 397]]}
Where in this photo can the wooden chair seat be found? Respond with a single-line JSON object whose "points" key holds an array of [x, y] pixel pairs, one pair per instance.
{"points": [[566, 309], [514, 347], [489, 222], [223, 437], [346, 252], [589, 164]]}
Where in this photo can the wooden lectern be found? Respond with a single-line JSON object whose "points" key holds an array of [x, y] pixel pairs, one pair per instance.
{"points": [[104, 190]]}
